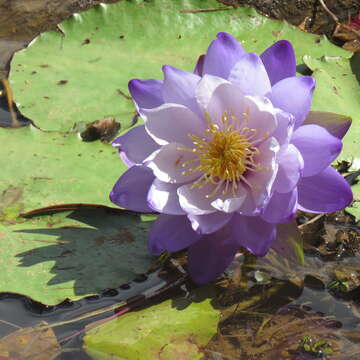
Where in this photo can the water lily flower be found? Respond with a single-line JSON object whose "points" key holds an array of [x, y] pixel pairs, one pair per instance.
{"points": [[228, 153]]}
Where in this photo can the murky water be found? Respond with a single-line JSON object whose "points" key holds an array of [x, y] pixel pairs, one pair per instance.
{"points": [[18, 311]]}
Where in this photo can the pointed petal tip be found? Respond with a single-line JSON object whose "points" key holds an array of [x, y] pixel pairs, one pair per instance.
{"points": [[309, 81], [146, 93], [118, 198], [224, 36], [199, 67], [135, 84], [325, 192], [336, 124], [168, 68], [284, 45]]}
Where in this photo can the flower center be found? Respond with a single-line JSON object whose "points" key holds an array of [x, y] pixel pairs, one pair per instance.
{"points": [[223, 154]]}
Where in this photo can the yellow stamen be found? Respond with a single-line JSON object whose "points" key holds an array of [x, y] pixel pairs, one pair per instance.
{"points": [[224, 154]]}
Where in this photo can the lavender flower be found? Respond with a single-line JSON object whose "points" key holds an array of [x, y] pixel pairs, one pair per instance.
{"points": [[227, 153]]}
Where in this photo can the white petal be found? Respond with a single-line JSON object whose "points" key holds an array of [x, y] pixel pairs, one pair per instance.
{"points": [[230, 204], [163, 197], [207, 224], [261, 117], [226, 98], [194, 200], [205, 89], [172, 123], [166, 164]]}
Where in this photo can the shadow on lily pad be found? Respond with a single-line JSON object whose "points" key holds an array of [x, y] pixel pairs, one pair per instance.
{"points": [[84, 252]]}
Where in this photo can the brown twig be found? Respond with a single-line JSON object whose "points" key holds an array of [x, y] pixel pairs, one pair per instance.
{"points": [[228, 3], [121, 93], [314, 219], [8, 93], [336, 19], [193, 11]]}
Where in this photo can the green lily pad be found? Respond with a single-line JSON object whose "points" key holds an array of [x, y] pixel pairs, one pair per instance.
{"points": [[338, 91], [160, 332], [72, 254], [85, 71], [40, 169]]}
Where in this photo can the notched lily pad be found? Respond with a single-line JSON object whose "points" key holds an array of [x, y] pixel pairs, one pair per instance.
{"points": [[105, 47]]}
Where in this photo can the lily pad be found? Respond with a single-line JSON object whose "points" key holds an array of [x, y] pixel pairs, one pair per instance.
{"points": [[338, 91], [72, 254], [160, 332], [85, 72], [40, 169]]}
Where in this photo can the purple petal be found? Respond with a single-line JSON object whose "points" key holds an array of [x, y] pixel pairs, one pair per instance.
{"points": [[291, 164], [171, 233], [250, 76], [130, 191], [179, 87], [288, 242], [281, 207], [324, 192], [210, 256], [249, 207], [163, 198], [125, 159], [317, 147], [337, 125], [285, 127], [293, 95], [261, 181], [223, 53], [253, 233], [279, 60], [136, 144], [146, 93], [199, 67], [207, 224], [172, 123], [167, 164]]}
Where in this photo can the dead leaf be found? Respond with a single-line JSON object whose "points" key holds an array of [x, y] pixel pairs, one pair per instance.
{"points": [[29, 343]]}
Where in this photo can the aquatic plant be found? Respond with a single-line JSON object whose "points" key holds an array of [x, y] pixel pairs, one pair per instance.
{"points": [[227, 153]]}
